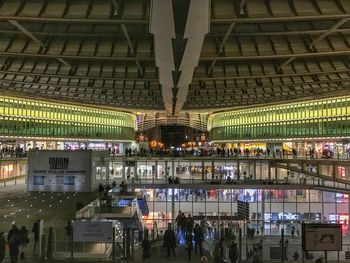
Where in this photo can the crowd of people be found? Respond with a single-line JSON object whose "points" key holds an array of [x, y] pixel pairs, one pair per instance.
{"points": [[12, 152], [187, 233], [16, 242]]}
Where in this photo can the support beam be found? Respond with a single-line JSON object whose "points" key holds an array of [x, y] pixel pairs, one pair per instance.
{"points": [[57, 20], [281, 56], [131, 48], [92, 58], [319, 38], [259, 20], [34, 74], [36, 40], [221, 47], [329, 31]]}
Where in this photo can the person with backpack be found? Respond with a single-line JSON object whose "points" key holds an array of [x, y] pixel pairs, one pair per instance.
{"points": [[13, 239], [24, 240], [2, 246]]}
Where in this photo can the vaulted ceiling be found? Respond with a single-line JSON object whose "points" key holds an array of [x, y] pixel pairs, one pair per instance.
{"points": [[102, 52]]}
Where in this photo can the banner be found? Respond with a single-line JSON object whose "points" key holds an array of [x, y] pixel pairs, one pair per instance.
{"points": [[322, 237], [86, 231]]}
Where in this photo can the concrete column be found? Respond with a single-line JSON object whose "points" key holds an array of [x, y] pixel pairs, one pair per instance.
{"points": [[173, 206], [135, 171], [203, 168], [132, 244], [238, 170], [156, 171], [123, 170], [254, 172], [127, 243], [212, 170]]}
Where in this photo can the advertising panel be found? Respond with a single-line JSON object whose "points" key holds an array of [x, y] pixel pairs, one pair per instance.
{"points": [[322, 237], [66, 171], [85, 231]]}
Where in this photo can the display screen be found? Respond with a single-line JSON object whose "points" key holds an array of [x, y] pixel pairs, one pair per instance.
{"points": [[38, 180], [69, 180]]}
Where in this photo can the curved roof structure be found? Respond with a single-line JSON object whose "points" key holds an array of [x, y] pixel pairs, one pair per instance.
{"points": [[175, 56]]}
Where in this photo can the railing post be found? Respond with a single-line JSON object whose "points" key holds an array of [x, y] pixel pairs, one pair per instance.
{"points": [[282, 245], [113, 246]]}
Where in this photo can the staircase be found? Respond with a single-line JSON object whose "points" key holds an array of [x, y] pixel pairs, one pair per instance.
{"points": [[142, 203]]}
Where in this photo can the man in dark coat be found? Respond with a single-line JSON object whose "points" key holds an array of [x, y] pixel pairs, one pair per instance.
{"points": [[189, 245], [198, 239], [189, 224], [13, 238], [169, 241], [233, 252], [2, 246], [146, 247]]}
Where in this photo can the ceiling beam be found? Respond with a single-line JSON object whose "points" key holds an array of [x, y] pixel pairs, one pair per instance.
{"points": [[319, 38], [292, 84], [8, 81], [221, 47], [329, 31], [77, 34], [33, 74], [281, 56], [131, 48], [145, 34], [146, 21], [53, 56], [278, 19], [328, 72], [36, 40], [57, 20]]}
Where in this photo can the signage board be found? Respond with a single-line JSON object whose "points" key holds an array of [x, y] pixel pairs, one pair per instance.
{"points": [[59, 171], [322, 237], [87, 231], [243, 210]]}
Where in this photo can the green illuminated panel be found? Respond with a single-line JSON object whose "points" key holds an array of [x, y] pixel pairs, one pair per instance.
{"points": [[41, 118], [328, 117]]}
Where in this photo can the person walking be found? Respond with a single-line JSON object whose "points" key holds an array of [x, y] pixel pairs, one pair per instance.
{"points": [[217, 255], [198, 239], [146, 252], [292, 232], [189, 245], [100, 189], [2, 246], [233, 252], [24, 240], [13, 239], [169, 241], [189, 224]]}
